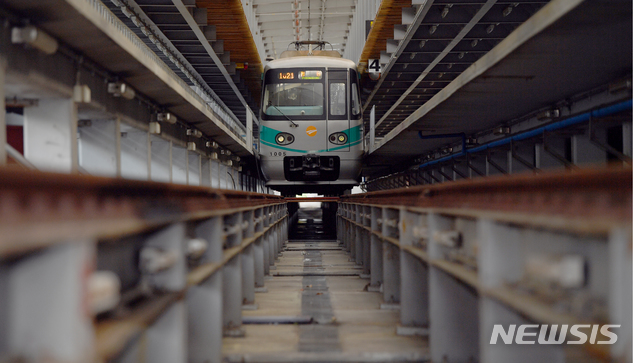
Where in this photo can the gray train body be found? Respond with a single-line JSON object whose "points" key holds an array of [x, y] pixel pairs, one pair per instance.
{"points": [[311, 125]]}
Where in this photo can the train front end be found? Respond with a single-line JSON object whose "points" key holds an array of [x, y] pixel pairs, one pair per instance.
{"points": [[311, 126]]}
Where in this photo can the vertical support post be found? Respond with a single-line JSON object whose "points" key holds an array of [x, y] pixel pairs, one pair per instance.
{"points": [[149, 155], [359, 234], [274, 247], [118, 155], [376, 263], [248, 265], [50, 135], [621, 291], [249, 125], [205, 171], [391, 264], [500, 256], [259, 268], [372, 128], [248, 280], [46, 297], [170, 239], [233, 277], [366, 254], [391, 274], [258, 251], [453, 307], [266, 246], [414, 287], [170, 161], [204, 301], [166, 339], [233, 298], [358, 244]]}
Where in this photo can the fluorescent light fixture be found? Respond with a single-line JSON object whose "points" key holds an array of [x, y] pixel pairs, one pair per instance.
{"points": [[490, 28], [120, 89], [34, 38], [502, 130], [194, 133], [445, 11], [166, 117], [548, 114]]}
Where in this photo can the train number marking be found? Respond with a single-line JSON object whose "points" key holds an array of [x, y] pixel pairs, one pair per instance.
{"points": [[374, 65], [278, 153]]}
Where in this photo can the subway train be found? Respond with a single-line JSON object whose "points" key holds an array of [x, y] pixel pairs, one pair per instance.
{"points": [[311, 123]]}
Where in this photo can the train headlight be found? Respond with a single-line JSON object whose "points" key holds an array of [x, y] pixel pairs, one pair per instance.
{"points": [[284, 138], [338, 138]]}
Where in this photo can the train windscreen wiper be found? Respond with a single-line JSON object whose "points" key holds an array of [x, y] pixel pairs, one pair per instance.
{"points": [[293, 124]]}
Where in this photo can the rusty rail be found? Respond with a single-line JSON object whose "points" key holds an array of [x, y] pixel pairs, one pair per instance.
{"points": [[112, 260], [482, 252], [38, 208], [585, 193]]}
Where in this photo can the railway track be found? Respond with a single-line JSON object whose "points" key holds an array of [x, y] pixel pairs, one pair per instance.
{"points": [[102, 269]]}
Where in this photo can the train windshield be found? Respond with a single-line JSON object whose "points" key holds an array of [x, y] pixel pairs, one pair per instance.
{"points": [[296, 95]]}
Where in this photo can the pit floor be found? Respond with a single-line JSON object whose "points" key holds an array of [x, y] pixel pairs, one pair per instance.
{"points": [[365, 333]]}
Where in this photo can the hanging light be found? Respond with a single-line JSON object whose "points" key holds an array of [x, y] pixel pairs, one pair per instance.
{"points": [[35, 38]]}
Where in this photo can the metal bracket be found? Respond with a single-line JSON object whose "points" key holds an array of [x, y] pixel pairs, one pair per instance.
{"points": [[494, 164], [605, 147], [522, 160], [476, 170], [547, 148], [457, 171], [444, 175]]}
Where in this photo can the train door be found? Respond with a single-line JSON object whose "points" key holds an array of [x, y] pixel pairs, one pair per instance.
{"points": [[337, 117], [356, 131]]}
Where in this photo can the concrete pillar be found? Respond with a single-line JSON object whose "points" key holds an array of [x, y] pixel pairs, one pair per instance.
{"points": [[160, 160], [97, 148], [50, 135]]}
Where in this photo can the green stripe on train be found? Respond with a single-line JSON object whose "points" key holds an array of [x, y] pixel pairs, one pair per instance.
{"points": [[267, 133]]}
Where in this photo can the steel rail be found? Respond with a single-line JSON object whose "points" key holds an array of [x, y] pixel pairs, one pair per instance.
{"points": [[38, 209], [596, 194], [479, 233]]}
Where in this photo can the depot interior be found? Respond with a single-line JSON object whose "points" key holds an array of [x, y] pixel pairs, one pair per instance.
{"points": [[136, 224]]}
